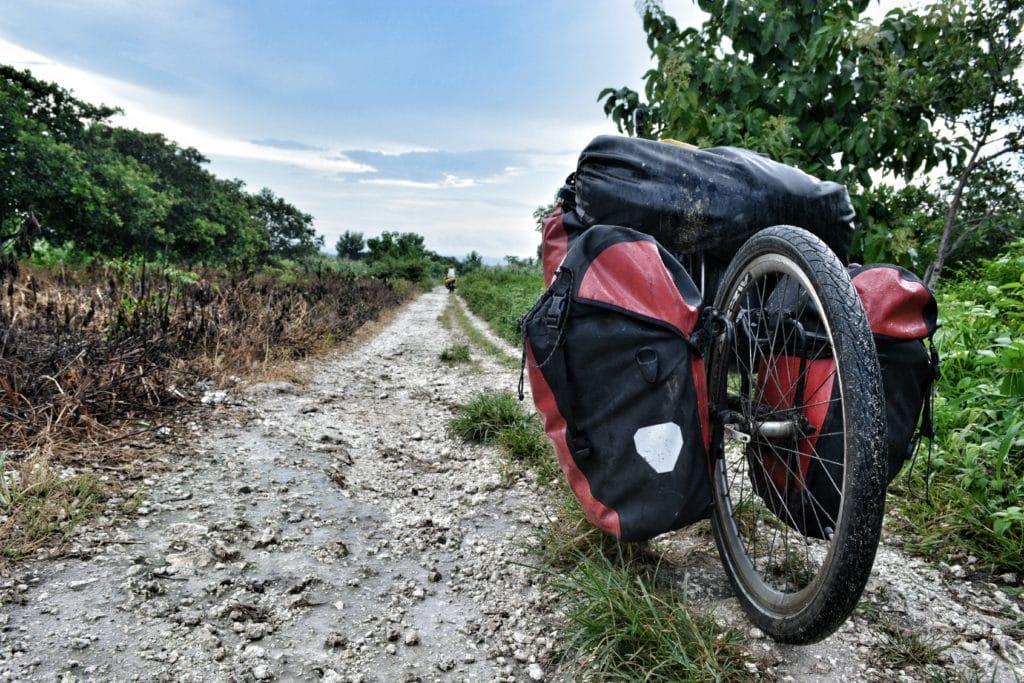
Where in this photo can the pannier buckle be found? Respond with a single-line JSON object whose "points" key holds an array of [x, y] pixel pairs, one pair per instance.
{"points": [[555, 314]]}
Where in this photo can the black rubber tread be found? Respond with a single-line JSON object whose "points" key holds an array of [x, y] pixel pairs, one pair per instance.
{"points": [[846, 569]]}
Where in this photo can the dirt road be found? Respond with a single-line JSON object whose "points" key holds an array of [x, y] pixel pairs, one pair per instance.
{"points": [[331, 530]]}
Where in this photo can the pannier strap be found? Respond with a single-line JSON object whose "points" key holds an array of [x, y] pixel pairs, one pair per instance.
{"points": [[927, 426], [560, 293]]}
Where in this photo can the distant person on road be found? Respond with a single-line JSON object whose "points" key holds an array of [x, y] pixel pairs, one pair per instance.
{"points": [[449, 279]]}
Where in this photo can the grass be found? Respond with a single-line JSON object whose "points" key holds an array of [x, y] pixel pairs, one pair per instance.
{"points": [[485, 415], [975, 479], [618, 627], [459, 319], [455, 354], [41, 504], [501, 296], [900, 647], [499, 418]]}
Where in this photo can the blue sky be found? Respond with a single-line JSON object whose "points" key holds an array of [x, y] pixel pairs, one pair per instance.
{"points": [[454, 119]]}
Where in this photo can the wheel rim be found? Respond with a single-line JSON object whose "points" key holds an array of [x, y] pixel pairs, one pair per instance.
{"points": [[778, 567]]}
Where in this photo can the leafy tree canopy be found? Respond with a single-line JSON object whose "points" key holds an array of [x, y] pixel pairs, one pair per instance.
{"points": [[73, 177], [815, 85], [350, 245]]}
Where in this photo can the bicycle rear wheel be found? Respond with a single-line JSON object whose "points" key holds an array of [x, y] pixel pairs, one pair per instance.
{"points": [[798, 440]]}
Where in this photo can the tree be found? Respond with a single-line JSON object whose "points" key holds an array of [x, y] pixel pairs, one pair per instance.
{"points": [[976, 86], [39, 164], [350, 245], [402, 255], [814, 85], [70, 176], [289, 232], [473, 261], [806, 82], [396, 245]]}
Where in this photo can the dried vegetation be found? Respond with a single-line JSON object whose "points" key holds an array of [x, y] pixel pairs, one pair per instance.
{"points": [[91, 358]]}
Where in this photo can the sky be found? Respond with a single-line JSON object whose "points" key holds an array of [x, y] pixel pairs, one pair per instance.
{"points": [[453, 119]]}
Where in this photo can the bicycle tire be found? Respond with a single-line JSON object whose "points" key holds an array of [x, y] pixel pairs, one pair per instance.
{"points": [[796, 588]]}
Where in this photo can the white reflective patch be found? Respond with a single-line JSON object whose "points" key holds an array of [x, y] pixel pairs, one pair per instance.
{"points": [[660, 445]]}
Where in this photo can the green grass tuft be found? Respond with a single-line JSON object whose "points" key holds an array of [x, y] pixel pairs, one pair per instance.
{"points": [[486, 414], [501, 419], [456, 353], [40, 505], [618, 627]]}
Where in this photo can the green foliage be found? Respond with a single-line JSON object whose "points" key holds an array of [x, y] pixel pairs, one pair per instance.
{"points": [[501, 296], [290, 232], [456, 353], [45, 253], [621, 627], [473, 262], [350, 245], [403, 256], [803, 82], [817, 86], [120, 192], [977, 480]]}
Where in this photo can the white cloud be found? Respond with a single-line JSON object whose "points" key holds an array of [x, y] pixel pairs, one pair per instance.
{"points": [[141, 106], [450, 181]]}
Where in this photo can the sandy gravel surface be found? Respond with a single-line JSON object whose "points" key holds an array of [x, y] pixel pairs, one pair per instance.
{"points": [[332, 531]]}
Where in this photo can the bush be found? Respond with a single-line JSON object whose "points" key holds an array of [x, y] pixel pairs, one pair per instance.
{"points": [[501, 296], [977, 478]]}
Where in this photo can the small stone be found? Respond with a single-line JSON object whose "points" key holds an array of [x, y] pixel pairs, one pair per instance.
{"points": [[411, 637], [267, 538], [79, 643], [255, 631], [1009, 578], [535, 672], [225, 552], [261, 673], [446, 664], [756, 633], [336, 640]]}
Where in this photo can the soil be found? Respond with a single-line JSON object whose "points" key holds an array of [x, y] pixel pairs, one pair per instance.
{"points": [[331, 530]]}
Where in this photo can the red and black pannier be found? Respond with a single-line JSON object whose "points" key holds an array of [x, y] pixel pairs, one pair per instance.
{"points": [[559, 229], [619, 384], [903, 316], [796, 371]]}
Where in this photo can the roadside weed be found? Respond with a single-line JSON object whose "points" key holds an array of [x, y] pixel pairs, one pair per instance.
{"points": [[457, 317], [454, 354], [500, 418], [903, 648], [486, 414], [40, 505], [501, 296], [618, 627]]}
